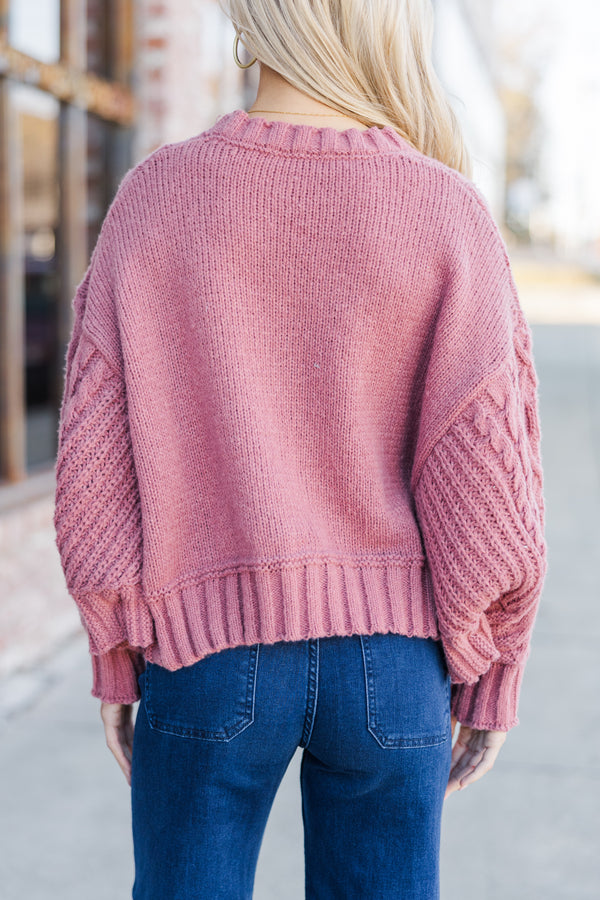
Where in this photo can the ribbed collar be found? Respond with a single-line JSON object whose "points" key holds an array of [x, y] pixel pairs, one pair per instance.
{"points": [[256, 131]]}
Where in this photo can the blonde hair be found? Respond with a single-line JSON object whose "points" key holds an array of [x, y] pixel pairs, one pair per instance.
{"points": [[370, 59]]}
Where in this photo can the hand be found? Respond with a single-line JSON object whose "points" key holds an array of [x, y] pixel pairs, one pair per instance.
{"points": [[473, 754], [118, 728]]}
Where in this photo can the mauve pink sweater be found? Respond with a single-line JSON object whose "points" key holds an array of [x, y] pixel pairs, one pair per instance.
{"points": [[300, 400]]}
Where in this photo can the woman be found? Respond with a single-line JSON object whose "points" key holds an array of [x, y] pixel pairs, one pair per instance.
{"points": [[299, 488]]}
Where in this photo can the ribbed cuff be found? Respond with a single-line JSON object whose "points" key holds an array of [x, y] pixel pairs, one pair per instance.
{"points": [[491, 703], [116, 675], [114, 616], [469, 654]]}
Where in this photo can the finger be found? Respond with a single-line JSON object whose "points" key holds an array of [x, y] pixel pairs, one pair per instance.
{"points": [[457, 751], [484, 766], [476, 772], [467, 760], [129, 732], [466, 754], [451, 787], [116, 745], [461, 766], [455, 783], [465, 763], [462, 772]]}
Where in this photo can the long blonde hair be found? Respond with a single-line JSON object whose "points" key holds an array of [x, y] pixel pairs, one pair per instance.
{"points": [[370, 59]]}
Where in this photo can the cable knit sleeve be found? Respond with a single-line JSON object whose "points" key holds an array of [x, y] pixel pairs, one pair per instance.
{"points": [[97, 516], [477, 474], [479, 499]]}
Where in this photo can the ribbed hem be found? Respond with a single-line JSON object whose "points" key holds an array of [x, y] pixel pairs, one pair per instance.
{"points": [[280, 136], [296, 601], [491, 704], [115, 675]]}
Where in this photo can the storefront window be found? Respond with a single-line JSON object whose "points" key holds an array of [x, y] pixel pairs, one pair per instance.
{"points": [[37, 136], [62, 156]]}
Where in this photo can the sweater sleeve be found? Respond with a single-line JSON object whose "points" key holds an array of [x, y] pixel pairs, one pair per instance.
{"points": [[479, 500], [97, 514]]}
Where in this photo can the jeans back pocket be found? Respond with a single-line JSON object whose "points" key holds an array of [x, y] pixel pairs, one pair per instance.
{"points": [[212, 699], [408, 690]]}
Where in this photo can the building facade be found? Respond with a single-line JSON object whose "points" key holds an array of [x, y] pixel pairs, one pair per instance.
{"points": [[66, 123]]}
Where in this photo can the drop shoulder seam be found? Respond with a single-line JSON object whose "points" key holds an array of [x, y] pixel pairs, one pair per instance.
{"points": [[453, 419]]}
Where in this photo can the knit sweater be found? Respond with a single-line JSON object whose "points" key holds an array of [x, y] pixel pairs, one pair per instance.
{"points": [[299, 401]]}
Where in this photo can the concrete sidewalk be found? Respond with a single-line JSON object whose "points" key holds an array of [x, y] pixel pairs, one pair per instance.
{"points": [[530, 829]]}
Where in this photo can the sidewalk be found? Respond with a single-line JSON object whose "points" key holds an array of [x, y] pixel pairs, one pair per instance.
{"points": [[529, 829]]}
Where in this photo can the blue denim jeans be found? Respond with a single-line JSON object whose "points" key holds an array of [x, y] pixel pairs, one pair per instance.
{"points": [[213, 740]]}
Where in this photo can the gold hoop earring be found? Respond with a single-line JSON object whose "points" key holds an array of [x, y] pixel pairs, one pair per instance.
{"points": [[236, 57]]}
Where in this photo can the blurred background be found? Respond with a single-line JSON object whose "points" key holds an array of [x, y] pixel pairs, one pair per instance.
{"points": [[88, 89]]}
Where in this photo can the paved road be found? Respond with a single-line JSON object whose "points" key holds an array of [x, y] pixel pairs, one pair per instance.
{"points": [[529, 830]]}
